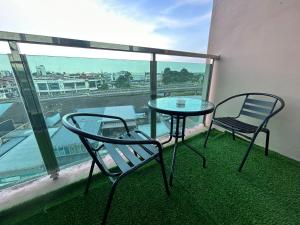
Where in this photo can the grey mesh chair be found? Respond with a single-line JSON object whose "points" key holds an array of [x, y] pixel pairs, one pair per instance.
{"points": [[130, 151], [254, 107]]}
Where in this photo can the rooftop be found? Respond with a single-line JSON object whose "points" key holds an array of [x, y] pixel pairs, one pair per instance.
{"points": [[265, 193], [27, 157], [4, 107], [127, 112]]}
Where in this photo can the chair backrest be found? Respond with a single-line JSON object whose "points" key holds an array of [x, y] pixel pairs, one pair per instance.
{"points": [[71, 122], [261, 106]]}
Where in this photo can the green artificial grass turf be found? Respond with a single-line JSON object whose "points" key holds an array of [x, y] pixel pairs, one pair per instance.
{"points": [[266, 192]]}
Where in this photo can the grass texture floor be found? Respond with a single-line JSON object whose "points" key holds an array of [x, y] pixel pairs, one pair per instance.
{"points": [[266, 192]]}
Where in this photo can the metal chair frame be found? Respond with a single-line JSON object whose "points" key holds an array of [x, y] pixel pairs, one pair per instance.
{"points": [[128, 139], [259, 107]]}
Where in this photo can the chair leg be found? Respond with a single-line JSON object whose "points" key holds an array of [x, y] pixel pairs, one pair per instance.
{"points": [[267, 143], [163, 171], [233, 135], [109, 200], [90, 178], [173, 163], [208, 132], [247, 152]]}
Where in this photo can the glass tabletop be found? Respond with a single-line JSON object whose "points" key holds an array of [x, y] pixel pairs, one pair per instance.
{"points": [[181, 105]]}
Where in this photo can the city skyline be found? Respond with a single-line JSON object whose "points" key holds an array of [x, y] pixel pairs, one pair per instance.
{"points": [[94, 65]]}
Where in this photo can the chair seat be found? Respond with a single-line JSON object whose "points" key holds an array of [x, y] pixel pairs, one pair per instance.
{"points": [[234, 124], [128, 156]]}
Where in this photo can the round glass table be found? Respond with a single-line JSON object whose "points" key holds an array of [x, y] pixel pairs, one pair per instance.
{"points": [[179, 108]]}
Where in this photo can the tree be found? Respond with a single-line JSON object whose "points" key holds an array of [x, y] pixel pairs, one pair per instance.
{"points": [[128, 75], [166, 76], [103, 87], [173, 76], [123, 81]]}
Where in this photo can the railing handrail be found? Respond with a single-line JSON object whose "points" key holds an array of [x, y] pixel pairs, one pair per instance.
{"points": [[67, 42]]}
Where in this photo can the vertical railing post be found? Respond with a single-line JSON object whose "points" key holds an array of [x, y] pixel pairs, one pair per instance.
{"points": [[33, 108], [153, 92], [207, 82]]}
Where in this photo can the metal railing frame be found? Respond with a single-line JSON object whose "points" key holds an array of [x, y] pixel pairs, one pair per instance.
{"points": [[29, 95]]}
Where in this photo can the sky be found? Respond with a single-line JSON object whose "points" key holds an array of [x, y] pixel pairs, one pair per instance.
{"points": [[170, 24]]}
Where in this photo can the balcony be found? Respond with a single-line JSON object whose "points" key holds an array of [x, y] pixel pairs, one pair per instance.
{"points": [[43, 167]]}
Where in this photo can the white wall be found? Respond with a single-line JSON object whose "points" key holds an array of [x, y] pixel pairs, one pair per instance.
{"points": [[259, 44]]}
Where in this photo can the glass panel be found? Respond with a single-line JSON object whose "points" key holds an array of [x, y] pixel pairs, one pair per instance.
{"points": [[103, 86], [20, 158], [181, 79]]}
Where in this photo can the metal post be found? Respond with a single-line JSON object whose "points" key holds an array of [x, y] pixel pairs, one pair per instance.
{"points": [[153, 92], [32, 105], [208, 72]]}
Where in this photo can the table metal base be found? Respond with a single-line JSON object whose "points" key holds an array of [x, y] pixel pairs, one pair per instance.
{"points": [[177, 134]]}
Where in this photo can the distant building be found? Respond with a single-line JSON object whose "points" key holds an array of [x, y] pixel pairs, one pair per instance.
{"points": [[5, 73], [8, 88], [65, 86], [108, 77], [73, 75], [4, 107], [41, 70], [6, 127]]}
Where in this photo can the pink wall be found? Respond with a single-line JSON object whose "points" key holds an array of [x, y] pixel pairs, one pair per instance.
{"points": [[259, 44]]}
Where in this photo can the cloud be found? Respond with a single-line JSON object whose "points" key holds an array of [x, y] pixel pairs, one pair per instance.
{"points": [[164, 21], [181, 3], [4, 48], [80, 19], [111, 21]]}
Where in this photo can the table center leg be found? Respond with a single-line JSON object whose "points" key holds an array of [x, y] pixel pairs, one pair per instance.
{"points": [[175, 148], [181, 135], [190, 147]]}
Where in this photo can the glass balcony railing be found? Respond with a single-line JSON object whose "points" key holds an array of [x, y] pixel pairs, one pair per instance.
{"points": [[20, 158], [181, 79], [37, 90], [104, 86]]}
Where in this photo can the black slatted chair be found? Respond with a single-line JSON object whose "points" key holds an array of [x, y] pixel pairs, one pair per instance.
{"points": [[258, 106], [129, 152]]}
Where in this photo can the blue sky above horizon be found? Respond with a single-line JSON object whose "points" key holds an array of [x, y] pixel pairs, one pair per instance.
{"points": [[171, 24], [187, 22], [175, 24]]}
